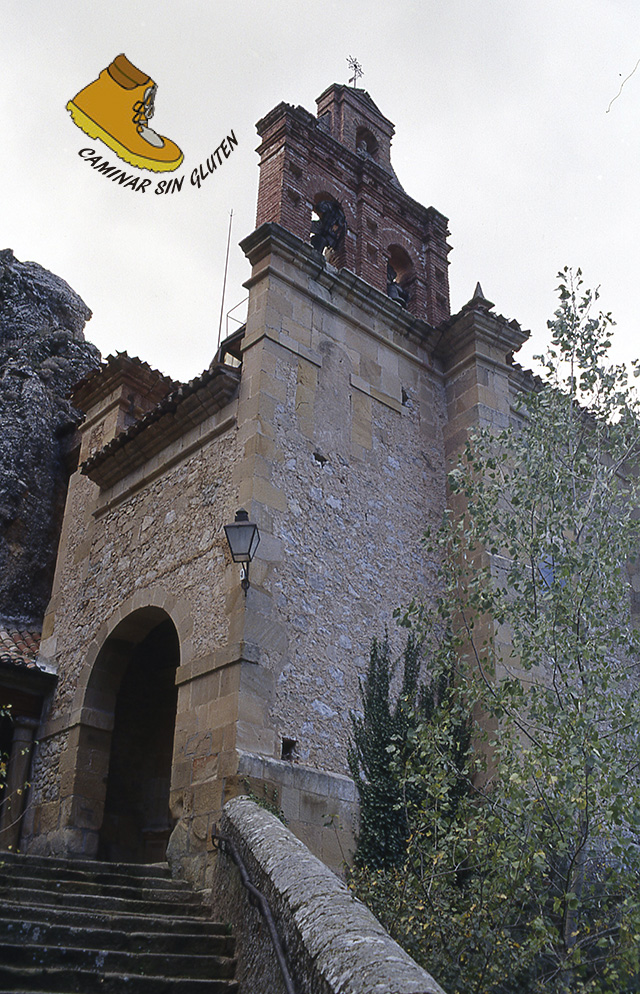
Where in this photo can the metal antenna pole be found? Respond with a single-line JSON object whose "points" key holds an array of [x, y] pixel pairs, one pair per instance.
{"points": [[224, 282]]}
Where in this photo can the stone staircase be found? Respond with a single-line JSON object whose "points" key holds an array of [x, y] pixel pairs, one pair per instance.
{"points": [[82, 926]]}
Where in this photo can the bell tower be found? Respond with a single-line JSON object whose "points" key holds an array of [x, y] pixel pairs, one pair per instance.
{"points": [[338, 166]]}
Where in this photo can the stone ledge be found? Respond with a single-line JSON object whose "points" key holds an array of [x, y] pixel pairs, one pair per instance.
{"points": [[89, 717], [334, 944], [384, 398], [320, 782], [235, 652], [336, 288], [286, 341]]}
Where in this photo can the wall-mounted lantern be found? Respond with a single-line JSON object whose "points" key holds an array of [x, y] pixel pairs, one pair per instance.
{"points": [[243, 538]]}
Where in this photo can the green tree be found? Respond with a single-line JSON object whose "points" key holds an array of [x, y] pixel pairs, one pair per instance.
{"points": [[531, 882], [384, 739], [383, 833]]}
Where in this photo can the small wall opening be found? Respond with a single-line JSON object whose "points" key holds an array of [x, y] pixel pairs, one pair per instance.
{"points": [[288, 751]]}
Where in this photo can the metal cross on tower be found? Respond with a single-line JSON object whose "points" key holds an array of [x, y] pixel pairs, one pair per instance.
{"points": [[355, 68]]}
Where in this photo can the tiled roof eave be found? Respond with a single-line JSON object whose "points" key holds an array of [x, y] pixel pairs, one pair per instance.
{"points": [[18, 661], [99, 382], [184, 409], [25, 675]]}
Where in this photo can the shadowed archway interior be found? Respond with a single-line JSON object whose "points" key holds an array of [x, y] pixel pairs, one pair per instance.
{"points": [[137, 823]]}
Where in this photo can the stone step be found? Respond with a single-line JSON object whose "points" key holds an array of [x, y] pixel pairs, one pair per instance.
{"points": [[60, 980], [14, 915], [89, 866], [99, 902], [115, 961], [71, 926], [142, 890], [114, 874], [85, 935]]}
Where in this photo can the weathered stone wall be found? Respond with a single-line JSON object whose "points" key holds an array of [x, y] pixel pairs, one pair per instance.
{"points": [[145, 542], [345, 409], [166, 535], [336, 450], [320, 807], [335, 438], [334, 944], [348, 408]]}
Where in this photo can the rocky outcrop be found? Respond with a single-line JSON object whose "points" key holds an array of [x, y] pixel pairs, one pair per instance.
{"points": [[43, 352]]}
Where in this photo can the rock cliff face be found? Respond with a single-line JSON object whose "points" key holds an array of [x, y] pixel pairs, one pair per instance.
{"points": [[43, 352]]}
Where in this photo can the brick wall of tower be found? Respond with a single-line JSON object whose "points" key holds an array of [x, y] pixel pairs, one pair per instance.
{"points": [[351, 110], [304, 159]]}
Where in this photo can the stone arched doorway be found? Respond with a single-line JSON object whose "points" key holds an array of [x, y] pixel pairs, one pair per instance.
{"points": [[133, 686]]}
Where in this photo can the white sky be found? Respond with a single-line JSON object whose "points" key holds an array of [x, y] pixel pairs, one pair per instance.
{"points": [[500, 108]]}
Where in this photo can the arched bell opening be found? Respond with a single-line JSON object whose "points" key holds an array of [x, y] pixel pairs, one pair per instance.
{"points": [[366, 142], [328, 228], [400, 276]]}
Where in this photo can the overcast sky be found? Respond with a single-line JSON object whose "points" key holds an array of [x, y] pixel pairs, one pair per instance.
{"points": [[502, 124]]}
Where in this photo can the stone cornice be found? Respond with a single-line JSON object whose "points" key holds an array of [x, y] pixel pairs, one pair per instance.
{"points": [[491, 335]]}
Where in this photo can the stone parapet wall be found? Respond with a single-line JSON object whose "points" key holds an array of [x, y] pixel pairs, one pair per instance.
{"points": [[320, 808], [334, 944]]}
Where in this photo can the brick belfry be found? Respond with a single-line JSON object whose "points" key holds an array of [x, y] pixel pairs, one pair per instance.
{"points": [[330, 417]]}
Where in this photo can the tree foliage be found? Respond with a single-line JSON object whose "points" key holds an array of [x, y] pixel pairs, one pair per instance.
{"points": [[383, 824], [5, 715], [531, 880], [384, 739]]}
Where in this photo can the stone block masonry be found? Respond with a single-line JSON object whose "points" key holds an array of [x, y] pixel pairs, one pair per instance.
{"points": [[334, 445], [149, 547], [341, 398]]}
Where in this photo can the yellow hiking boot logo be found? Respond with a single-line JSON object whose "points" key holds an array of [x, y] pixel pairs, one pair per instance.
{"points": [[117, 108]]}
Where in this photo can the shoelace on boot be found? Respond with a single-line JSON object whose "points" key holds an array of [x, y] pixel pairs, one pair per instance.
{"points": [[143, 112], [145, 109]]}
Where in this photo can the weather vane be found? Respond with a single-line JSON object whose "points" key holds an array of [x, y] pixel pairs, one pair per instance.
{"points": [[355, 68]]}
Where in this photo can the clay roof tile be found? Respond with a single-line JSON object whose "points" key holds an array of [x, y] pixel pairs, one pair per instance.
{"points": [[19, 647]]}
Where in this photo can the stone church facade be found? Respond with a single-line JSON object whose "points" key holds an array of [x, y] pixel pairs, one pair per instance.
{"points": [[331, 418]]}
